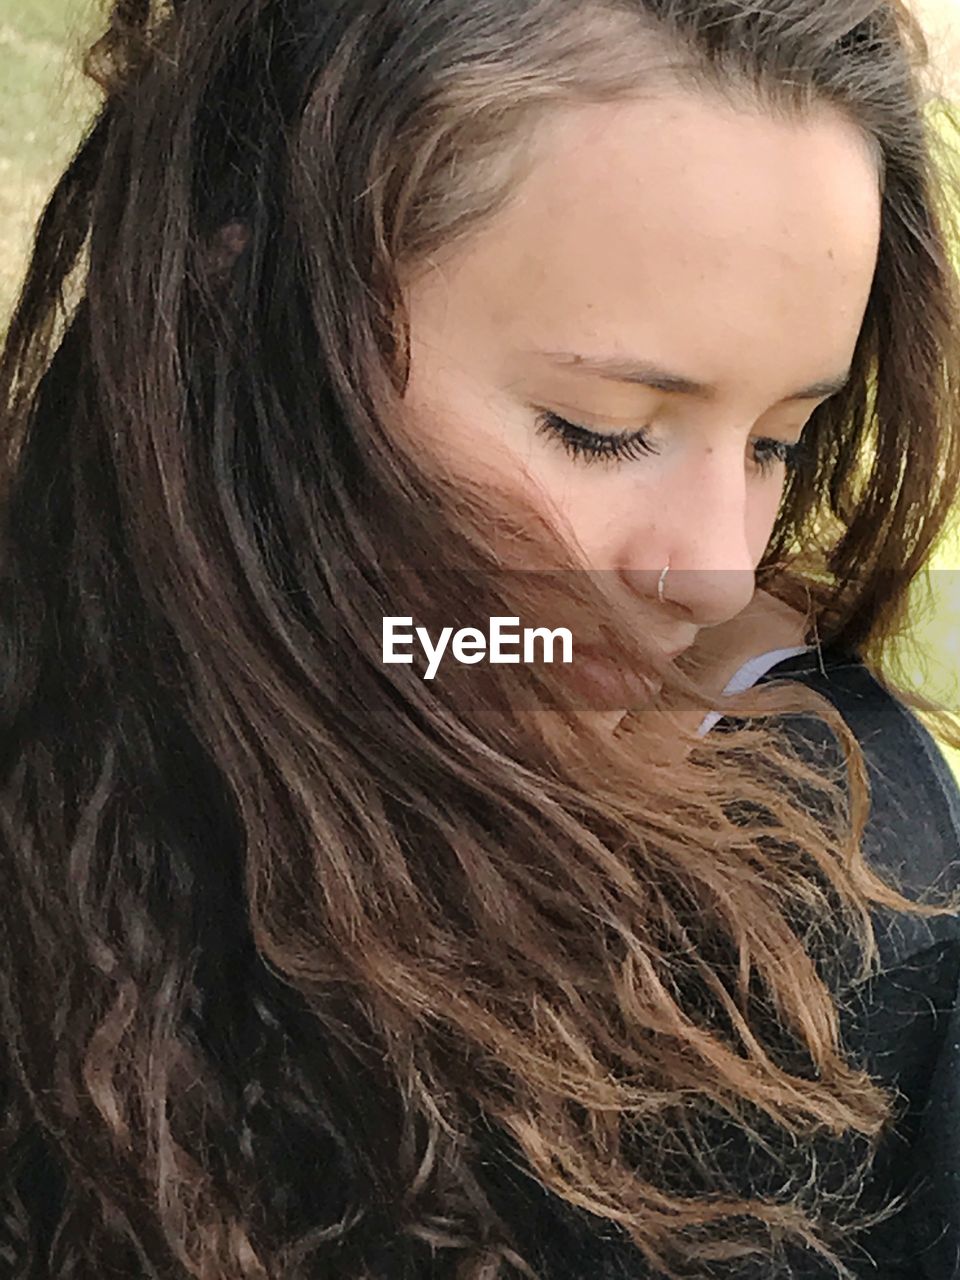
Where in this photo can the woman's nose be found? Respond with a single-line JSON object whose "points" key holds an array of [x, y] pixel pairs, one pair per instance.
{"points": [[703, 536], [707, 595]]}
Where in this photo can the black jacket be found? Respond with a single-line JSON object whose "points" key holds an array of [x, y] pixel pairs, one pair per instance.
{"points": [[903, 1025]]}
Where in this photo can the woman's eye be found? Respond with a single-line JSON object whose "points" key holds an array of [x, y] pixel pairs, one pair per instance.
{"points": [[595, 446], [767, 453], [584, 444]]}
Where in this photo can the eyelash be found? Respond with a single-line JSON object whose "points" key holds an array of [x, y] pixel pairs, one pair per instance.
{"points": [[596, 446]]}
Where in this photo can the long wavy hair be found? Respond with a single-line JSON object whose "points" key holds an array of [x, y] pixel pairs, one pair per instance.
{"points": [[291, 940]]}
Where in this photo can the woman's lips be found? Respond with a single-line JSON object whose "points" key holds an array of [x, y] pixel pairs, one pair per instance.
{"points": [[606, 686]]}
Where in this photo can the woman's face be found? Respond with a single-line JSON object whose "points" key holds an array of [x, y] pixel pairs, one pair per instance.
{"points": [[672, 265]]}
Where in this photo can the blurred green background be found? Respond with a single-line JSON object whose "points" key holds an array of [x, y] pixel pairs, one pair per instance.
{"points": [[45, 103]]}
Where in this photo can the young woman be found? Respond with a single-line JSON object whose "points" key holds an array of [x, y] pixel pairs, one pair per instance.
{"points": [[637, 316]]}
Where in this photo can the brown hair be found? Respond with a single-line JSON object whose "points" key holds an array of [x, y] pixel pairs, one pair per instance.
{"points": [[286, 932]]}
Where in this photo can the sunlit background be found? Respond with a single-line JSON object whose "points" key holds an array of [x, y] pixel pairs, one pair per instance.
{"points": [[45, 104]]}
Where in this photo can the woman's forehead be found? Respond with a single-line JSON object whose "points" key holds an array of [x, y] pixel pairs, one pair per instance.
{"points": [[684, 233]]}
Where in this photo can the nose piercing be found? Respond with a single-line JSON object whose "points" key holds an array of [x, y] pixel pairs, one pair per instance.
{"points": [[663, 574]]}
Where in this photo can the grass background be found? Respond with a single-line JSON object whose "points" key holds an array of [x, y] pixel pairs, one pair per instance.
{"points": [[45, 103]]}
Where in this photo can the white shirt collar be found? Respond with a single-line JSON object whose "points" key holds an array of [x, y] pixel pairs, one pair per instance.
{"points": [[748, 675]]}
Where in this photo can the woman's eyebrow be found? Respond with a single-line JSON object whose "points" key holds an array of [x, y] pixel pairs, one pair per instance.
{"points": [[651, 375]]}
